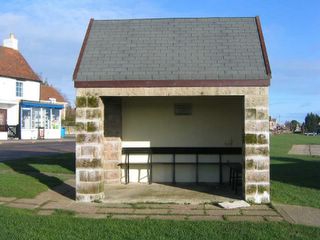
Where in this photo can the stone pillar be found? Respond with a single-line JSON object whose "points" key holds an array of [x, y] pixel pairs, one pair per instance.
{"points": [[89, 149], [256, 147], [112, 141]]}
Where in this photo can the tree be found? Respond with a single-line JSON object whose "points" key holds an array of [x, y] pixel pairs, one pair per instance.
{"points": [[70, 117], [287, 124], [312, 122], [294, 124]]}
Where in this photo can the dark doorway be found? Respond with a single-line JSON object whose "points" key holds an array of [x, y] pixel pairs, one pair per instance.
{"points": [[3, 120]]}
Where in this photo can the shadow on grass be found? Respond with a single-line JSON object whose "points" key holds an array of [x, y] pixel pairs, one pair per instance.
{"points": [[298, 172], [66, 161]]}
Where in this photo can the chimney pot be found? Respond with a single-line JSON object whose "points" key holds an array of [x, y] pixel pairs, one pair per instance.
{"points": [[11, 42]]}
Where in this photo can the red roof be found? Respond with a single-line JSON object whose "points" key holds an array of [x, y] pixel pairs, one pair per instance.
{"points": [[47, 92], [14, 65]]}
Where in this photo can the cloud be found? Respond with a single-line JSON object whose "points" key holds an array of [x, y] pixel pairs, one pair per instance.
{"points": [[50, 33]]}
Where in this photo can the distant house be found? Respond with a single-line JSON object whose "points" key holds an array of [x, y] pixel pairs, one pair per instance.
{"points": [[22, 115], [172, 101], [49, 94], [272, 124]]}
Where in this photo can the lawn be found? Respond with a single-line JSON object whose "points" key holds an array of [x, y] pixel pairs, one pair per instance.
{"points": [[26, 178], [23, 224], [295, 178], [294, 181]]}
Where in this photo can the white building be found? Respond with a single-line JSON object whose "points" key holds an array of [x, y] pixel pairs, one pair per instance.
{"points": [[21, 113]]}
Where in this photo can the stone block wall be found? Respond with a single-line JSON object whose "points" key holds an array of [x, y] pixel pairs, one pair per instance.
{"points": [[98, 152], [256, 177], [89, 148]]}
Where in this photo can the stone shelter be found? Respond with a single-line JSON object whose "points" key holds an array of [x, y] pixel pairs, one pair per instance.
{"points": [[177, 100]]}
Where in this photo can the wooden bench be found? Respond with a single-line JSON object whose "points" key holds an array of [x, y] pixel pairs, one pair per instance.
{"points": [[220, 151]]}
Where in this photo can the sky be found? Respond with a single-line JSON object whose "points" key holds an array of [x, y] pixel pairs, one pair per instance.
{"points": [[50, 35]]}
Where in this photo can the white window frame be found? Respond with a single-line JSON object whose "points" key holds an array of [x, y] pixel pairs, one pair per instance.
{"points": [[19, 89]]}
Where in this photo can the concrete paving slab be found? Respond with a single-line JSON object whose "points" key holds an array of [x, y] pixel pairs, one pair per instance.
{"points": [[245, 218], [234, 204], [151, 211], [82, 208], [308, 150], [164, 193], [205, 218], [186, 212], [22, 205], [169, 206], [223, 212], [119, 216], [186, 206], [112, 205], [36, 201], [259, 212], [56, 205], [7, 199], [315, 150], [274, 218], [115, 210], [260, 207], [299, 214], [168, 217], [211, 207]]}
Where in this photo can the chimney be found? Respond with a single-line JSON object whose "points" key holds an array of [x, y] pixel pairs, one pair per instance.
{"points": [[11, 42]]}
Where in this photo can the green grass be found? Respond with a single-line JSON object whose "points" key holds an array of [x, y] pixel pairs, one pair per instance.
{"points": [[295, 178], [22, 224], [26, 178], [61, 163]]}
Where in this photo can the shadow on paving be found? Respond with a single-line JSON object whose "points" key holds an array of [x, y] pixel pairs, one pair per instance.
{"points": [[24, 166], [295, 171], [223, 190]]}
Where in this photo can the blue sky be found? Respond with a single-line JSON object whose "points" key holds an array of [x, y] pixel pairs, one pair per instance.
{"points": [[50, 35]]}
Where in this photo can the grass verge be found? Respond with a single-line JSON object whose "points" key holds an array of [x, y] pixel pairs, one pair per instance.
{"points": [[295, 178], [26, 178], [23, 224]]}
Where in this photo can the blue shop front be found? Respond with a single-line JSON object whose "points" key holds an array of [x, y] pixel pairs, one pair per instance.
{"points": [[40, 120]]}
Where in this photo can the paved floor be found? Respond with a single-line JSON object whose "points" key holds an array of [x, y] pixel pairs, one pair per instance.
{"points": [[21, 149], [60, 198], [299, 214], [309, 150], [168, 193]]}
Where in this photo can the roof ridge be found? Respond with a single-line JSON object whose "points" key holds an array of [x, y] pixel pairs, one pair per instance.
{"points": [[172, 18]]}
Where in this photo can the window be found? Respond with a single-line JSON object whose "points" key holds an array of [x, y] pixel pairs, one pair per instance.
{"points": [[46, 118], [26, 118], [55, 119], [19, 89], [36, 120]]}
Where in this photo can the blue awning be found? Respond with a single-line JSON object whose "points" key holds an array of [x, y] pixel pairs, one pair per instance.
{"points": [[41, 105]]}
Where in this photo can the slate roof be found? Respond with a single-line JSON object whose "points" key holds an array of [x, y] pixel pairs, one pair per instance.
{"points": [[172, 50], [47, 92], [14, 65]]}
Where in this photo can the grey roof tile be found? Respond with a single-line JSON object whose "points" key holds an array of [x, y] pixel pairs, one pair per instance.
{"points": [[173, 49]]}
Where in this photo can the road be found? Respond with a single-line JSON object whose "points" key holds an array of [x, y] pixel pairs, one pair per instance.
{"points": [[14, 150]]}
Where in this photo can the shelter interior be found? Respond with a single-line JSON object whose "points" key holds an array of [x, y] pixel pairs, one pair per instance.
{"points": [[176, 139]]}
